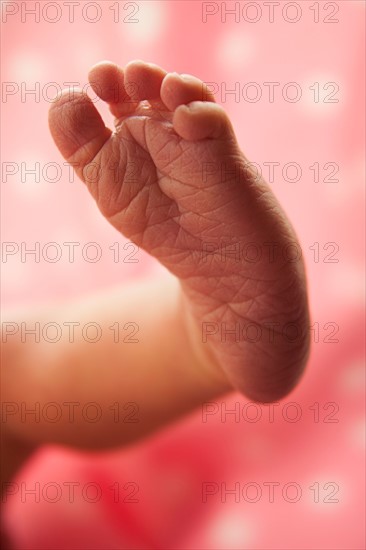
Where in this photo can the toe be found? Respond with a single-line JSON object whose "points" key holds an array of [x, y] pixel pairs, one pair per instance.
{"points": [[201, 120], [77, 128], [183, 89], [108, 82], [143, 80]]}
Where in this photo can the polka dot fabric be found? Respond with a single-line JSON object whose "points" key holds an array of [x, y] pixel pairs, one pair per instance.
{"points": [[233, 475]]}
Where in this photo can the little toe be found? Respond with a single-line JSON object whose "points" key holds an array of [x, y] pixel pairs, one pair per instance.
{"points": [[181, 89], [201, 120]]}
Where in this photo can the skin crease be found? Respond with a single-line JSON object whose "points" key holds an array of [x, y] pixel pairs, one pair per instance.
{"points": [[173, 180]]}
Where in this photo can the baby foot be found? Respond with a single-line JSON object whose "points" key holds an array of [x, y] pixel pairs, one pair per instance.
{"points": [[172, 178]]}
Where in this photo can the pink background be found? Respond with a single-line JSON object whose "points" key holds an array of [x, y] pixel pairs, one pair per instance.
{"points": [[171, 466]]}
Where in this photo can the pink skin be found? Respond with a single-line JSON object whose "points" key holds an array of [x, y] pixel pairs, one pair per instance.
{"points": [[150, 180]]}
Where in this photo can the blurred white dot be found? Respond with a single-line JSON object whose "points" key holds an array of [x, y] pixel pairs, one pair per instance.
{"points": [[235, 49], [14, 273], [322, 95], [337, 192], [230, 530], [348, 283], [352, 378], [358, 3], [28, 67], [357, 433], [86, 54], [30, 175], [144, 22]]}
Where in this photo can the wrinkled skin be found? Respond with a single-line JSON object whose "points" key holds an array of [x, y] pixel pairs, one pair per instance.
{"points": [[172, 178]]}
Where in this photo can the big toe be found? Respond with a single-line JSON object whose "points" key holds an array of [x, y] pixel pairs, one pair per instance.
{"points": [[77, 128]]}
